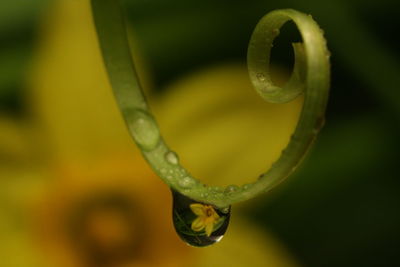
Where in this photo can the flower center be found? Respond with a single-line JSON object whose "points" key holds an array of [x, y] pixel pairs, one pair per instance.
{"points": [[209, 211]]}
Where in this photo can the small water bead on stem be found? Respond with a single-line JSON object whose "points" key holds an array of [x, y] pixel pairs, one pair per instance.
{"points": [[204, 195], [187, 182], [261, 77], [172, 158], [198, 224], [143, 128], [215, 189], [247, 186], [226, 210], [230, 189]]}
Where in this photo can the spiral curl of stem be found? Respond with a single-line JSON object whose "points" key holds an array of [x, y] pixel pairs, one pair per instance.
{"points": [[310, 76]]}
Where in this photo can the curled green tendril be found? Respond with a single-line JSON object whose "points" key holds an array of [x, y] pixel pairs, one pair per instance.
{"points": [[310, 76]]}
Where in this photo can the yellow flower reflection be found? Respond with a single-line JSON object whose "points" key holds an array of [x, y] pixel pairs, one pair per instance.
{"points": [[207, 217]]}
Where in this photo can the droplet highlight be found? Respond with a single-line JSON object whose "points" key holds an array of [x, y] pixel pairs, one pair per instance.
{"points": [[204, 194], [260, 77], [247, 186], [230, 189], [186, 182], [172, 158], [198, 224], [144, 129]]}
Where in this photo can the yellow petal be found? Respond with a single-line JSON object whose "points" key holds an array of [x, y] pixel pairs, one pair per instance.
{"points": [[80, 118], [197, 209], [209, 220], [209, 228], [215, 216], [198, 224]]}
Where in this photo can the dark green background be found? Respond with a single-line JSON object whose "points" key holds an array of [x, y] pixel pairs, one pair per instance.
{"points": [[342, 207]]}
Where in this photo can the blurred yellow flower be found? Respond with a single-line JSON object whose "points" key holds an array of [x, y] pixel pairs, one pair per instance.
{"points": [[104, 213], [86, 196], [207, 217]]}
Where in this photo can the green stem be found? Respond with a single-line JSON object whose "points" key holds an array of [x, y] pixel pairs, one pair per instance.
{"points": [[310, 75]]}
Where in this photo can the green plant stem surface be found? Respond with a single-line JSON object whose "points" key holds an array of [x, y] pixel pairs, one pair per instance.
{"points": [[310, 77]]}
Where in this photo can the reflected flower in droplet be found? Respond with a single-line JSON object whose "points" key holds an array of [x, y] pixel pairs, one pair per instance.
{"points": [[198, 224], [206, 219]]}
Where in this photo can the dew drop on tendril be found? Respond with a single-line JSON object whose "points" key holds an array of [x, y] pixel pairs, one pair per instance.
{"points": [[260, 77], [231, 189], [195, 234], [144, 129], [186, 182], [171, 157]]}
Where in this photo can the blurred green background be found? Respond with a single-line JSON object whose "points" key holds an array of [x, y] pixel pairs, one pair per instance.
{"points": [[341, 208]]}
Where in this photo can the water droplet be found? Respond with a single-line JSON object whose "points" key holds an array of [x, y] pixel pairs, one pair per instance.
{"points": [[171, 157], [260, 77], [187, 182], [144, 129], [231, 189], [204, 195], [247, 186], [226, 210], [195, 234]]}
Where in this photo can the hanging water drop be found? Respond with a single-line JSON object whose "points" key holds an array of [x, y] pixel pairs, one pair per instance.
{"points": [[172, 158], [144, 129], [198, 224]]}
